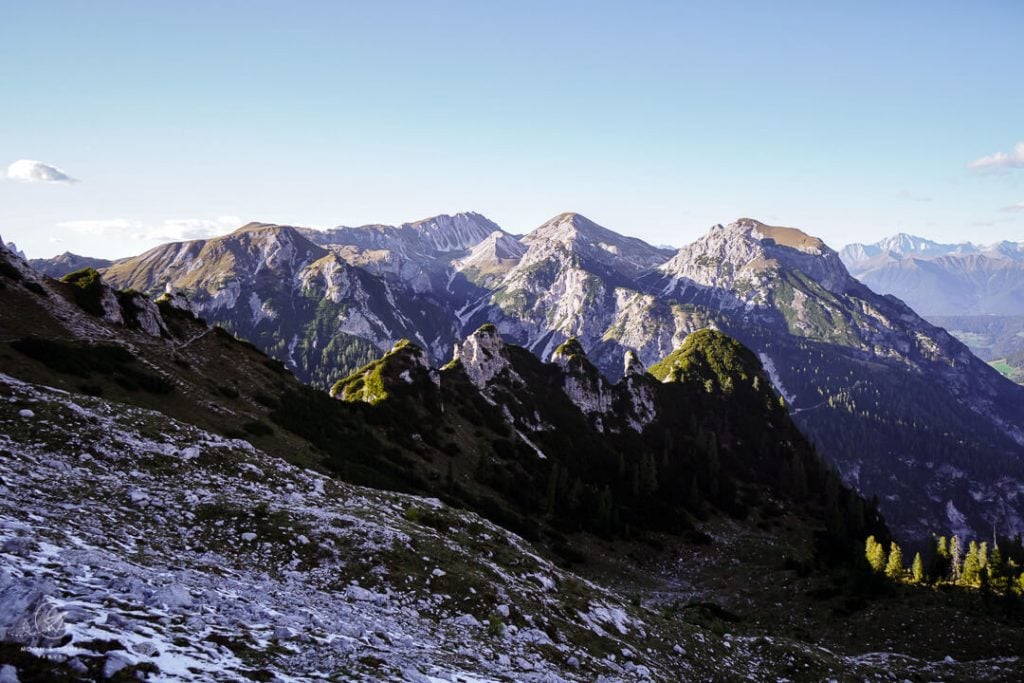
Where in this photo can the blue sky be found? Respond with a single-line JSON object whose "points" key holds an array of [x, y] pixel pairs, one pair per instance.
{"points": [[657, 119]]}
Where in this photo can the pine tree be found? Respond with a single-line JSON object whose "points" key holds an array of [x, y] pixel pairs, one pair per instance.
{"points": [[875, 553], [995, 566], [894, 568], [971, 573], [917, 570], [955, 558]]}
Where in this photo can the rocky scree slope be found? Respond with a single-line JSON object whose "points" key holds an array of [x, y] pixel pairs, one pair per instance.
{"points": [[168, 553]]}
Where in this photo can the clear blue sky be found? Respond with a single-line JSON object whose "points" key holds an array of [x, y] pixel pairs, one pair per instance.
{"points": [[658, 119]]}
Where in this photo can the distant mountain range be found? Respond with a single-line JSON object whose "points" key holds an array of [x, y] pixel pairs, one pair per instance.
{"points": [[974, 291], [943, 279], [852, 365], [65, 263]]}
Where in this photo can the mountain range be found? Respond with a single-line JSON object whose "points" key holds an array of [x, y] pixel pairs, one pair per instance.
{"points": [[178, 506], [943, 279], [851, 364], [974, 291]]}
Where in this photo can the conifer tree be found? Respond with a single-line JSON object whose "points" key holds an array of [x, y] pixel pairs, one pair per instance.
{"points": [[875, 553], [955, 558], [894, 568], [972, 566], [995, 567], [917, 570]]}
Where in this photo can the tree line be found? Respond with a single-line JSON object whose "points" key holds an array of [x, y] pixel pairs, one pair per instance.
{"points": [[990, 568]]}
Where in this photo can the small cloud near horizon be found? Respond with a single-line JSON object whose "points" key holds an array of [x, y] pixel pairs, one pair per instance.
{"points": [[31, 171], [1014, 208], [1000, 161], [169, 230], [909, 196]]}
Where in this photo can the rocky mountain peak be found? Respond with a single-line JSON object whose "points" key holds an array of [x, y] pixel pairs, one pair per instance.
{"points": [[457, 232], [741, 256], [903, 245], [13, 248], [437, 235], [378, 379], [567, 352], [576, 234], [284, 246], [482, 355], [632, 365], [498, 245]]}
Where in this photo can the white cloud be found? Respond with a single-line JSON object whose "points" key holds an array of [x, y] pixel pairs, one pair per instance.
{"points": [[113, 226], [1000, 161], [29, 171], [1014, 208], [170, 230], [911, 197]]}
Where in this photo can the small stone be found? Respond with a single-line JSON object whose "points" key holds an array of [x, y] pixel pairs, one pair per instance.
{"points": [[468, 620], [438, 572], [283, 633], [25, 412], [8, 674], [115, 662], [174, 596], [248, 536], [502, 611]]}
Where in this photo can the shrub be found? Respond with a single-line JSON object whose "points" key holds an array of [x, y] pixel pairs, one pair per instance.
{"points": [[87, 289]]}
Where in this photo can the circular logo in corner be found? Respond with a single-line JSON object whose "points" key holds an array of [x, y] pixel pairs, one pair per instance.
{"points": [[49, 619]]}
